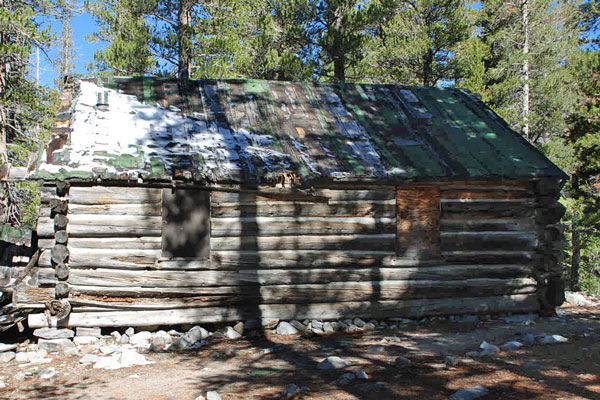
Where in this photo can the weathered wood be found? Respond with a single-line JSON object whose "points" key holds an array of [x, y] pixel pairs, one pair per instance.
{"points": [[487, 209], [60, 222], [375, 242], [97, 195], [143, 209], [489, 256], [45, 228], [45, 244], [62, 272], [91, 231], [108, 258], [61, 290], [328, 194], [290, 209], [61, 237], [59, 253], [332, 292], [59, 206], [129, 221], [141, 243], [488, 240], [157, 279], [485, 193], [265, 226], [31, 297], [479, 225], [407, 309]]}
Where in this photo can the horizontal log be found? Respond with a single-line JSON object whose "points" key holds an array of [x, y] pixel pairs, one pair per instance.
{"points": [[95, 231], [139, 243], [129, 221], [265, 226], [375, 242], [488, 240], [97, 195], [152, 209], [382, 309], [479, 225], [174, 279], [485, 193], [327, 194], [134, 298], [45, 228], [45, 243], [289, 209], [489, 256], [107, 258], [486, 209]]}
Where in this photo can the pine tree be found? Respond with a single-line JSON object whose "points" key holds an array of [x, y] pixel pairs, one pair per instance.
{"points": [[66, 50], [123, 24]]}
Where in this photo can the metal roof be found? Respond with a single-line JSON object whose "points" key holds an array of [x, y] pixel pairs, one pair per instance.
{"points": [[255, 131]]}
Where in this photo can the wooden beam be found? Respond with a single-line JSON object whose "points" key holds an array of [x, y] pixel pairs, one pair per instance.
{"points": [[98, 195], [375, 242]]}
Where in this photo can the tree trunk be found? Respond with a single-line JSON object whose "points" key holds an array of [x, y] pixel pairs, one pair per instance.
{"points": [[184, 19], [338, 51], [525, 71], [575, 255]]}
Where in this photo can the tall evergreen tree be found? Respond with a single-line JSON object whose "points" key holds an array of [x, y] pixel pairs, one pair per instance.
{"points": [[64, 65]]}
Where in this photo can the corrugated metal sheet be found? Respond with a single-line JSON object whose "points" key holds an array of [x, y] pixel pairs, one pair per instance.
{"points": [[345, 132]]}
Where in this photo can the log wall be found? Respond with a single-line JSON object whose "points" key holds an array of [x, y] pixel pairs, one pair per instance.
{"points": [[329, 253]]}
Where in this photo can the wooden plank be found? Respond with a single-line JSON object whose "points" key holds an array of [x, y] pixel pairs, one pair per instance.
{"points": [[290, 209], [177, 279], [98, 195], [489, 240], [139, 243], [331, 292], [45, 227], [487, 209], [45, 243], [489, 256], [129, 221], [151, 210], [265, 226], [92, 231], [375, 242], [107, 258], [484, 193], [487, 224], [319, 194], [382, 309], [30, 296]]}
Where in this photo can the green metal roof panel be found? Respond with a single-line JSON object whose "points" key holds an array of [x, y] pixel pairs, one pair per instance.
{"points": [[243, 131]]}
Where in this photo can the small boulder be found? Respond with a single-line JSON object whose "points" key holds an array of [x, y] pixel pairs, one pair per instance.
{"points": [[231, 333], [488, 349], [84, 340], [284, 328], [360, 374], [469, 393], [299, 325], [130, 357], [239, 328], [333, 362], [195, 334], [577, 299], [7, 356], [512, 345], [291, 390], [53, 333], [451, 361], [316, 324], [89, 359], [57, 345], [213, 395], [402, 362], [7, 347], [82, 331], [344, 380], [327, 327], [130, 332], [115, 335], [124, 339], [553, 339], [141, 339], [359, 322], [269, 323]]}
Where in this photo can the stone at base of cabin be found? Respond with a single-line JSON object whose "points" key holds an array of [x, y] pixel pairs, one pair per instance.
{"points": [[84, 340], [7, 356], [81, 331], [89, 359], [512, 345], [291, 390], [470, 393], [299, 326], [130, 331], [6, 347], [369, 326], [124, 339], [488, 349], [231, 333], [141, 339], [57, 345], [327, 327], [451, 361], [360, 374], [344, 380], [269, 323], [53, 333], [284, 328], [359, 322], [47, 373], [553, 339], [239, 328], [576, 299]]}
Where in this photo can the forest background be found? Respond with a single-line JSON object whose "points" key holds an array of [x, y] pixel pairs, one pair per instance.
{"points": [[535, 62]]}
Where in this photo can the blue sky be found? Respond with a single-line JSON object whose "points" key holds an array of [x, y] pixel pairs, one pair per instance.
{"points": [[82, 25]]}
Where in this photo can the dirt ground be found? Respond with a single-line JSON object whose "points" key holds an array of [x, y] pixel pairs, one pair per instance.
{"points": [[260, 368]]}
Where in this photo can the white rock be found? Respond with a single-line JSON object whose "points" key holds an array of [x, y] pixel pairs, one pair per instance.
{"points": [[84, 340], [577, 299], [2, 385], [106, 350], [111, 362], [299, 326], [47, 373], [512, 345], [284, 328], [22, 357], [269, 323], [359, 322], [7, 347], [333, 362], [230, 333], [552, 339], [56, 345], [141, 339], [53, 333], [116, 335], [7, 356], [239, 328], [488, 349], [469, 393], [212, 395], [130, 357]]}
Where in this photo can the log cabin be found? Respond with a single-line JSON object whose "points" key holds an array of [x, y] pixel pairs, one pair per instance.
{"points": [[205, 201]]}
